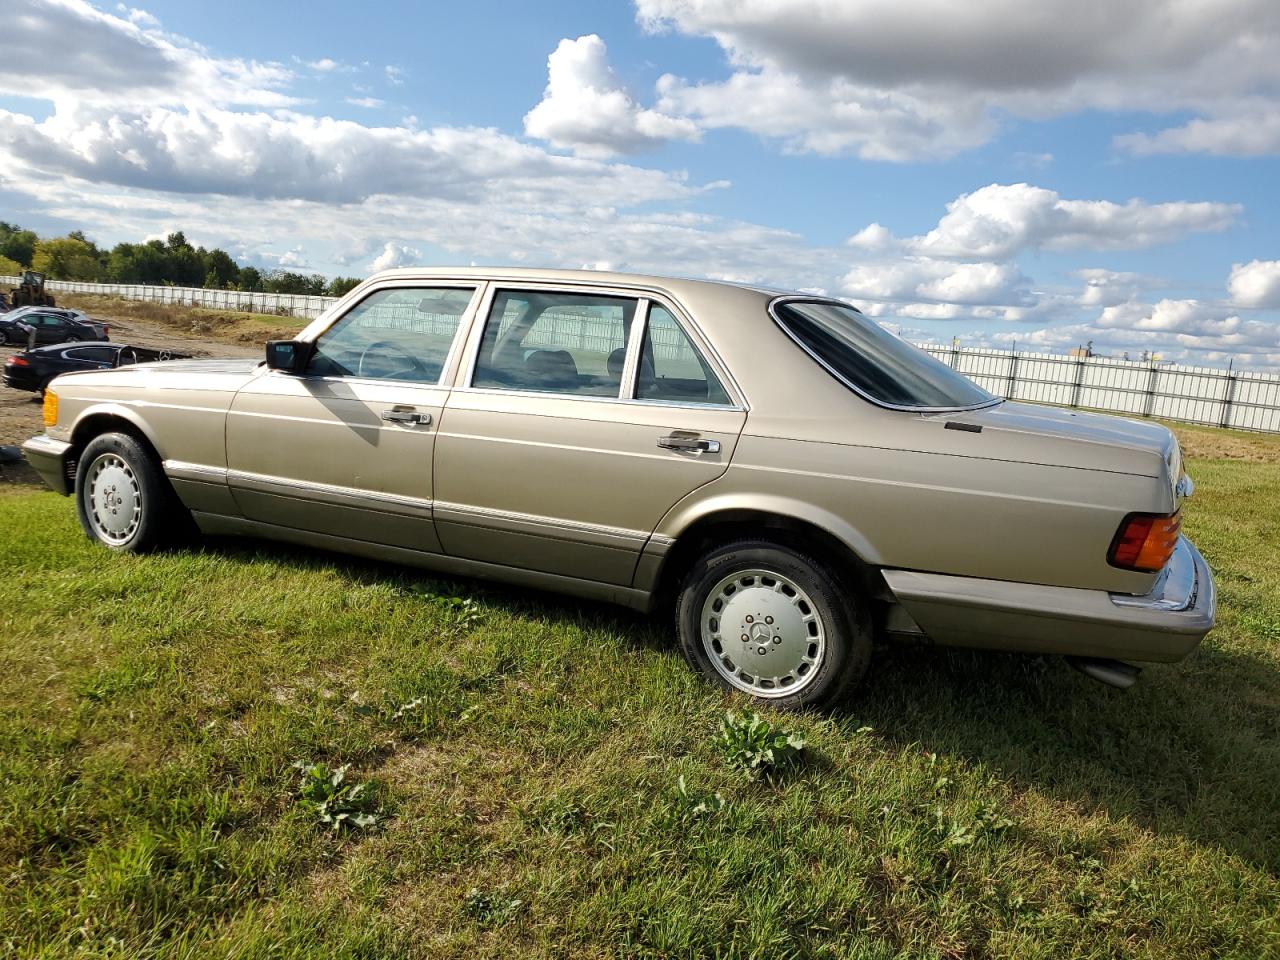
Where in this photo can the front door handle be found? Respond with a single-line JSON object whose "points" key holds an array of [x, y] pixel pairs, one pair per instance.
{"points": [[406, 416], [690, 444]]}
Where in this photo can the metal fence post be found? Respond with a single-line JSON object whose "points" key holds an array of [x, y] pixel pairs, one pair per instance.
{"points": [[1075, 387], [1229, 396], [1150, 404], [1011, 384]]}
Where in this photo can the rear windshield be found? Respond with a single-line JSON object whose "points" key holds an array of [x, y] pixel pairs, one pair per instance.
{"points": [[873, 362]]}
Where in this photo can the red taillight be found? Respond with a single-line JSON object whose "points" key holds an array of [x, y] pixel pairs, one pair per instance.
{"points": [[17, 362], [1145, 541]]}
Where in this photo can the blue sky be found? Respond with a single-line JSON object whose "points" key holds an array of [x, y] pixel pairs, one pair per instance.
{"points": [[995, 171]]}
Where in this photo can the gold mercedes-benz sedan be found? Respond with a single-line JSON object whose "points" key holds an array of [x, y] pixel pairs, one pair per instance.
{"points": [[786, 477]]}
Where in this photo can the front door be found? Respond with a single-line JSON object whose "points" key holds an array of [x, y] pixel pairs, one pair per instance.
{"points": [[581, 419], [346, 447]]}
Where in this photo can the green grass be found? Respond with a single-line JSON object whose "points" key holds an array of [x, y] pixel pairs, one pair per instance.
{"points": [[544, 773]]}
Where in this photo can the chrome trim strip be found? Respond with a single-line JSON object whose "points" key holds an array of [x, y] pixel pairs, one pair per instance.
{"points": [[332, 493], [181, 470], [776, 301], [509, 521]]}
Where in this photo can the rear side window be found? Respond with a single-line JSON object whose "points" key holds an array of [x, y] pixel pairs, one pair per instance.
{"points": [[92, 354], [671, 368], [554, 342], [873, 362]]}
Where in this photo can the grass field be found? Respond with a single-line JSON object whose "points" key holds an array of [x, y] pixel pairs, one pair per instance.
{"points": [[524, 758]]}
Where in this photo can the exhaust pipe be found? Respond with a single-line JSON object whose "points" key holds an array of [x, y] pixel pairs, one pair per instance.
{"points": [[1114, 673]]}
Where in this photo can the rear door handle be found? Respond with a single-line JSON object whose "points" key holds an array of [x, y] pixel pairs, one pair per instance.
{"points": [[690, 444], [406, 416]]}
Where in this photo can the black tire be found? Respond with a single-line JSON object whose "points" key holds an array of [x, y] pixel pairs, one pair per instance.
{"points": [[842, 643], [121, 490]]}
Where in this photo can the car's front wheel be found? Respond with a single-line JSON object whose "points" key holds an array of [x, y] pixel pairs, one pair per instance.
{"points": [[769, 621], [123, 499]]}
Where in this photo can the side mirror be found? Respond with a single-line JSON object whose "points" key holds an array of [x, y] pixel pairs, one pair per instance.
{"points": [[291, 356]]}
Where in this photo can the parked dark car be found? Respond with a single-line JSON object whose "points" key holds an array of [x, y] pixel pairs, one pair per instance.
{"points": [[33, 369], [52, 326]]}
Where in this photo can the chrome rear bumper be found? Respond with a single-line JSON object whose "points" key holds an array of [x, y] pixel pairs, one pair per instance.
{"points": [[1163, 625]]}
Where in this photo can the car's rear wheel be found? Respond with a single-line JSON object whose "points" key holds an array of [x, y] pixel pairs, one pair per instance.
{"points": [[768, 621], [123, 499]]}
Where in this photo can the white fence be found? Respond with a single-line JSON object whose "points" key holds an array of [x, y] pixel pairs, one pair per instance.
{"points": [[281, 304], [1224, 398]]}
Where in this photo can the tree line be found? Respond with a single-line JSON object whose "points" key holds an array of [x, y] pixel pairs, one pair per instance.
{"points": [[169, 262]]}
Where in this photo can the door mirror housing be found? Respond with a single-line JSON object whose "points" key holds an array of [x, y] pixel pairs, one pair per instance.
{"points": [[291, 356]]}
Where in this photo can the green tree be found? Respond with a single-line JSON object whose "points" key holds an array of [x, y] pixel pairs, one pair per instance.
{"points": [[341, 285], [220, 271], [17, 244], [284, 281], [250, 279], [67, 258], [9, 268]]}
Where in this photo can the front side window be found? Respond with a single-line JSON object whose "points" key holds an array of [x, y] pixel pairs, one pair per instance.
{"points": [[671, 368], [873, 362], [555, 342], [402, 333]]}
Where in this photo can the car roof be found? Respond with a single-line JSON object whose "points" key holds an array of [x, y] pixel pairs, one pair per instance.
{"points": [[556, 275]]}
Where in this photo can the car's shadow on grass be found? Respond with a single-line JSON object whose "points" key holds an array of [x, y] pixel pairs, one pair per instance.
{"points": [[1193, 749]]}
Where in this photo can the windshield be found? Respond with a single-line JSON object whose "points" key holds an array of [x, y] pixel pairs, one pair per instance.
{"points": [[872, 361]]}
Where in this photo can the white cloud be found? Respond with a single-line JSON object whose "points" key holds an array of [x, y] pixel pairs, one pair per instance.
{"points": [[369, 103], [101, 58], [1106, 288], [905, 79], [323, 65], [831, 116], [1252, 134], [395, 75], [395, 256], [1001, 220], [292, 155], [936, 281], [1255, 284], [586, 108], [873, 238]]}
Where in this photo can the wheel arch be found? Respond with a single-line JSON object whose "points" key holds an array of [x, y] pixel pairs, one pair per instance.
{"points": [[105, 418], [790, 523]]}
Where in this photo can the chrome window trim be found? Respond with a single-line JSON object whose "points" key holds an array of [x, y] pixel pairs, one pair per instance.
{"points": [[471, 356], [477, 287], [907, 408], [534, 394]]}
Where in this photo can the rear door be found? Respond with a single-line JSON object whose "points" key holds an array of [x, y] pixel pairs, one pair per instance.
{"points": [[581, 417]]}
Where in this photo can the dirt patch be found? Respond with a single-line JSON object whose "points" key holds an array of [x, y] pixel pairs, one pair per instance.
{"points": [[1212, 443]]}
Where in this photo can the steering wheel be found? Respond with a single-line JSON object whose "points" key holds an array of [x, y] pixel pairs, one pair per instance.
{"points": [[390, 346]]}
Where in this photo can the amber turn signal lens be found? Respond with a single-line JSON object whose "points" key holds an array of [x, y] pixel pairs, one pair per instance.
{"points": [[1145, 541], [50, 409]]}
